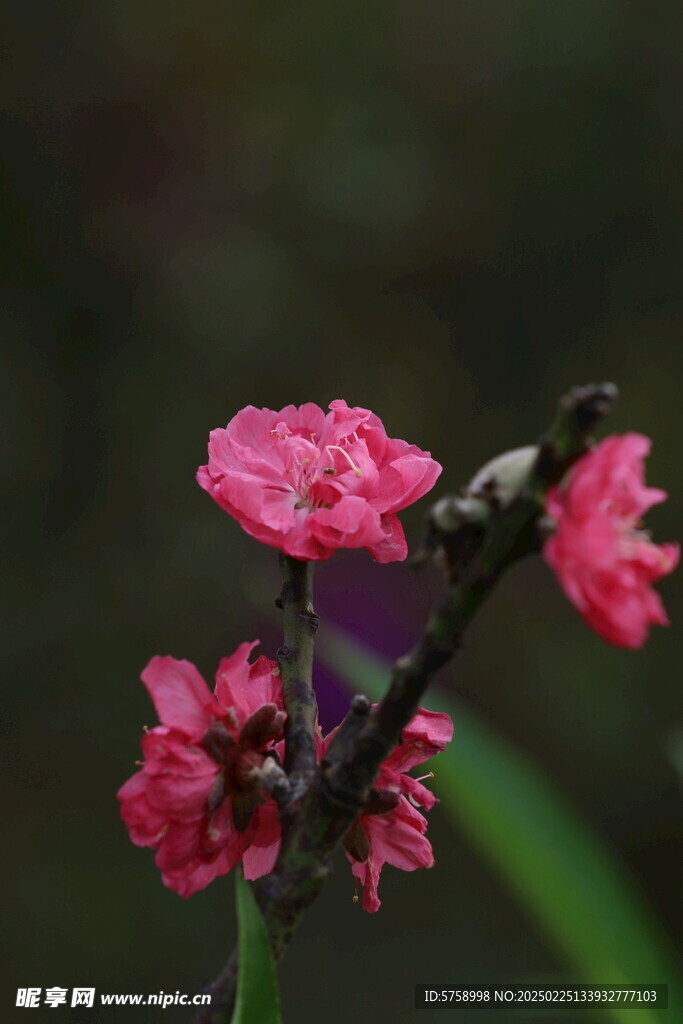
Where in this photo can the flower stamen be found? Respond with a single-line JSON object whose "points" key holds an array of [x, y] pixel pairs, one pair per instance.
{"points": [[338, 448]]}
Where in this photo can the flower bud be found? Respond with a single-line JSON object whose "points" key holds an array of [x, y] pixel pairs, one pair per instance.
{"points": [[502, 479]]}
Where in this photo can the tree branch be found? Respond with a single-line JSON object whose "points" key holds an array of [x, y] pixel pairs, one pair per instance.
{"points": [[295, 659], [475, 537]]}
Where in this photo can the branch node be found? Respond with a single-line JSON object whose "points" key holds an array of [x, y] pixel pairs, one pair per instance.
{"points": [[310, 620], [360, 705]]}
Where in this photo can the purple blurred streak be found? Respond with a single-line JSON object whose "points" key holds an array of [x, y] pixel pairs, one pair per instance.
{"points": [[383, 606], [380, 605]]}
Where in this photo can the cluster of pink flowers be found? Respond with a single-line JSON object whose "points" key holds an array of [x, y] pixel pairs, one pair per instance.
{"points": [[391, 829], [605, 562], [308, 482], [198, 799]]}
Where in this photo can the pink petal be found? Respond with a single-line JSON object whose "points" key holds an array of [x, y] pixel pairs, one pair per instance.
{"points": [[183, 797], [406, 479], [179, 845], [259, 860], [267, 825], [145, 825], [246, 687], [398, 838], [351, 523], [419, 793], [428, 733], [368, 874], [392, 547], [603, 561], [199, 873], [179, 693]]}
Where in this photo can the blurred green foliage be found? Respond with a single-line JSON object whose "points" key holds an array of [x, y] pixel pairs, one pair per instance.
{"points": [[257, 1000], [579, 895]]}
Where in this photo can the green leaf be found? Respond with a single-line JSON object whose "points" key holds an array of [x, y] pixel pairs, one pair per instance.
{"points": [[257, 1001], [578, 893]]}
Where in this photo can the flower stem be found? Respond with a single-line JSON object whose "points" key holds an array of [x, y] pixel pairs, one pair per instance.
{"points": [[295, 659]]}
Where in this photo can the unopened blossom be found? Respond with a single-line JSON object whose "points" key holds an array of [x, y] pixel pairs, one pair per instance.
{"points": [[196, 799], [391, 829], [308, 482], [603, 558]]}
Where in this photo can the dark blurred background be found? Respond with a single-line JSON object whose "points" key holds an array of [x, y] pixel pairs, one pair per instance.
{"points": [[446, 212]]}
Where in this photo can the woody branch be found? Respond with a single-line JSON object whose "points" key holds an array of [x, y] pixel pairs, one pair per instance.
{"points": [[295, 659], [475, 536]]}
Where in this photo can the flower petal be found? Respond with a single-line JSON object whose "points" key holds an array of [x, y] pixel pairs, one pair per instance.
{"points": [[179, 693], [245, 687], [428, 733]]}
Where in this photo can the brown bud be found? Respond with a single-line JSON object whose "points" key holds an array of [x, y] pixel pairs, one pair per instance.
{"points": [[265, 724], [217, 741], [381, 801], [243, 806], [356, 842], [360, 705], [217, 794]]}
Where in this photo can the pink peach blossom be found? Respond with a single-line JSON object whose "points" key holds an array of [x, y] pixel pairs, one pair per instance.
{"points": [[392, 831], [603, 559], [194, 799], [308, 483]]}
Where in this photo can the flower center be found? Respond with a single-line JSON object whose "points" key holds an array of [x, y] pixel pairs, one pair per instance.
{"points": [[309, 475]]}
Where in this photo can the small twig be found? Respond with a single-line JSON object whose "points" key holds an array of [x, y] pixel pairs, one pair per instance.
{"points": [[274, 780]]}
